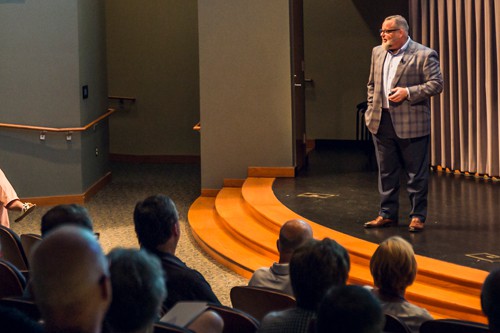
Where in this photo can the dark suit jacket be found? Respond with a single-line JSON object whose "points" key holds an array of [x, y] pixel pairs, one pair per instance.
{"points": [[419, 72], [183, 283]]}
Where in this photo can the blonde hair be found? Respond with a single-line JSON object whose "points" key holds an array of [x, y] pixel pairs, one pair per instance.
{"points": [[393, 265]]}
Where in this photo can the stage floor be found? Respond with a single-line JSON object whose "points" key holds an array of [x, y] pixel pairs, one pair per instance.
{"points": [[338, 189]]}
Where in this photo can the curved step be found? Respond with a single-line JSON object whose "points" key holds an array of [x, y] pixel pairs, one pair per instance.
{"points": [[244, 222], [214, 238]]}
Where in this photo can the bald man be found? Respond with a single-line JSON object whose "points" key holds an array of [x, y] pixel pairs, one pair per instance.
{"points": [[70, 281], [292, 235]]}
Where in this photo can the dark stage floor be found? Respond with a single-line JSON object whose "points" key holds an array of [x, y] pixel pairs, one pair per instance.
{"points": [[338, 189]]}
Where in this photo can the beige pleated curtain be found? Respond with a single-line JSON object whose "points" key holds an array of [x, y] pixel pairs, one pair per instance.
{"points": [[465, 120]]}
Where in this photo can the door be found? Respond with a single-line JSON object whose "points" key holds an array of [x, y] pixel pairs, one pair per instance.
{"points": [[298, 83]]}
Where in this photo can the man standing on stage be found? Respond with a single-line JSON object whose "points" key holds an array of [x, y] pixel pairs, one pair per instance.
{"points": [[403, 76]]}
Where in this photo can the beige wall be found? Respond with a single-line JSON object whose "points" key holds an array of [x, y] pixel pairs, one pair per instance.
{"points": [[152, 52], [49, 49], [339, 37], [245, 87]]}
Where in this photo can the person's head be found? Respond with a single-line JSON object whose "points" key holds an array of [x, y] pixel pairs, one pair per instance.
{"points": [[393, 266], [314, 268], [293, 234], [346, 309], [156, 222], [63, 215], [490, 300], [394, 32], [70, 280], [138, 284]]}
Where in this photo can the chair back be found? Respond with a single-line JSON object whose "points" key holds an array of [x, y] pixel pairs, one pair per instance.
{"points": [[12, 249], [12, 280], [161, 327], [235, 320], [395, 325], [23, 304], [260, 301], [453, 326], [28, 241]]}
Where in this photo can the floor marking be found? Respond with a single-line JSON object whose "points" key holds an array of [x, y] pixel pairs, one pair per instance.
{"points": [[485, 257], [317, 195]]}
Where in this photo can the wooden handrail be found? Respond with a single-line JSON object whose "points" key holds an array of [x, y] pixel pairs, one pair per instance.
{"points": [[123, 98], [63, 129]]}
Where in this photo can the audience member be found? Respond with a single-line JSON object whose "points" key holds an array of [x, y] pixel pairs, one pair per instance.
{"points": [[347, 309], [157, 227], [394, 268], [10, 201], [490, 300], [64, 215], [138, 285], [292, 234], [70, 281], [314, 268]]}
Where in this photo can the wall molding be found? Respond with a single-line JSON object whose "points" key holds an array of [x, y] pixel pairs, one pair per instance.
{"points": [[177, 159], [72, 198], [271, 172]]}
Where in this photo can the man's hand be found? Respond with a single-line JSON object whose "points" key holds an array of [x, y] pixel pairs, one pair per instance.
{"points": [[398, 95]]}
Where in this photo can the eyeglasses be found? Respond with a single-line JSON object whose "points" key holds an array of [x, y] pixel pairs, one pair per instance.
{"points": [[388, 31]]}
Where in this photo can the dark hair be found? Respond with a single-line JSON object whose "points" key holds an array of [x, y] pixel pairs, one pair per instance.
{"points": [[346, 309], [314, 268], [59, 215], [490, 299], [138, 287], [154, 219]]}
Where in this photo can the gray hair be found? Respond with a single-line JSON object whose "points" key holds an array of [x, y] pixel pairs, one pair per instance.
{"points": [[139, 289], [400, 22]]}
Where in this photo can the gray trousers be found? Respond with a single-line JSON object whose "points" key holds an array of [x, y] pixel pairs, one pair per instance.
{"points": [[395, 156]]}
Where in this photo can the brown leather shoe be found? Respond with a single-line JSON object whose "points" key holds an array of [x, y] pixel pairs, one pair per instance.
{"points": [[416, 225], [379, 222]]}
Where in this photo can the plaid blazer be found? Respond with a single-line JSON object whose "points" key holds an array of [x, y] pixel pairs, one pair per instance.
{"points": [[419, 72]]}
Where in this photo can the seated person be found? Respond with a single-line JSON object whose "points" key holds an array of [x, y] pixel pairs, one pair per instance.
{"points": [[314, 268], [292, 235], [70, 281], [394, 268], [10, 201], [138, 286], [63, 215], [60, 215], [157, 227], [347, 309], [490, 300]]}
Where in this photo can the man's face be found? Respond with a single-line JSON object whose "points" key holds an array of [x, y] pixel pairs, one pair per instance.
{"points": [[393, 38]]}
